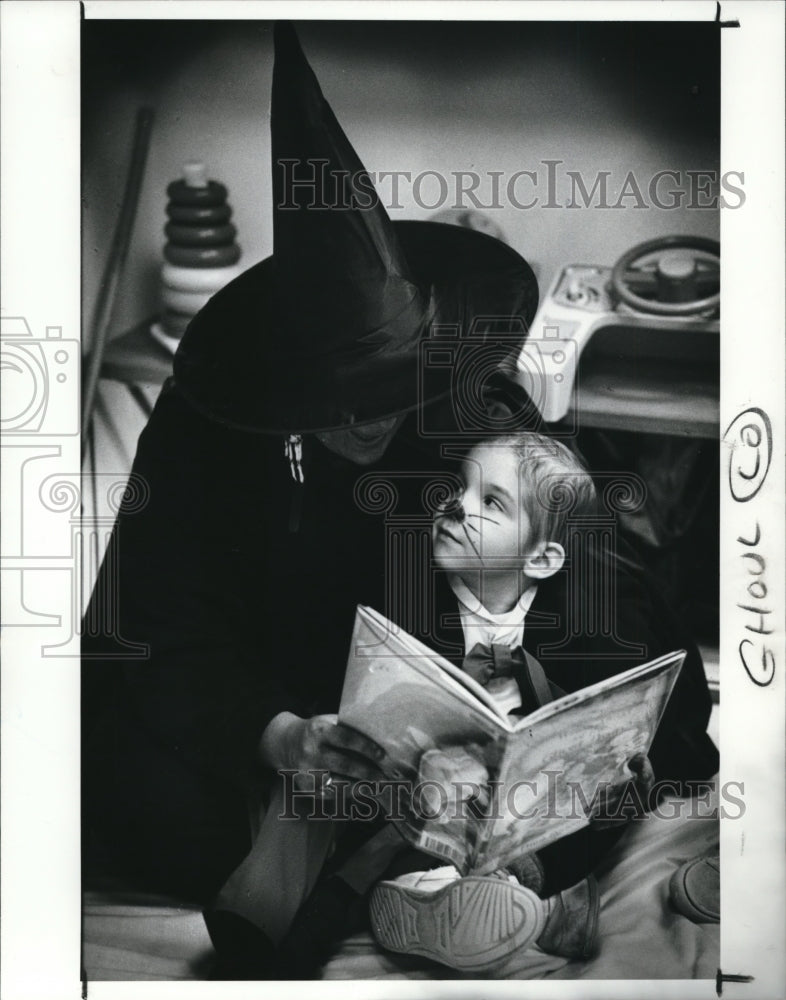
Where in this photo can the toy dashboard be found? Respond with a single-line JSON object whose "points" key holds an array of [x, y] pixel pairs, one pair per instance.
{"points": [[633, 347]]}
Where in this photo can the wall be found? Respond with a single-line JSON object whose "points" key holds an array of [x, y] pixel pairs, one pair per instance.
{"points": [[415, 97]]}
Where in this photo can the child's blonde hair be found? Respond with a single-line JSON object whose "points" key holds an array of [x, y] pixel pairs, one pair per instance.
{"points": [[554, 483]]}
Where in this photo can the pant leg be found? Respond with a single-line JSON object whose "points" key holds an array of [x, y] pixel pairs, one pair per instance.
{"points": [[569, 860], [153, 820], [276, 877]]}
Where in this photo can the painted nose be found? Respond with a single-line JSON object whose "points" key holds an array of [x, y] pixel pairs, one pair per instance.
{"points": [[455, 511]]}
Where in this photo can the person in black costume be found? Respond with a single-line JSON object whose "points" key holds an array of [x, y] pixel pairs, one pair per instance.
{"points": [[241, 573]]}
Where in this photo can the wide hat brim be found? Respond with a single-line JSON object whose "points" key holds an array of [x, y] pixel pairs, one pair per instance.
{"points": [[238, 367]]}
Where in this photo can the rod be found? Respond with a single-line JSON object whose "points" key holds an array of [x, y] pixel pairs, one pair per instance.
{"points": [[107, 293]]}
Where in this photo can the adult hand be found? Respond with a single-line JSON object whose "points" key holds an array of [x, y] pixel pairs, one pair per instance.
{"points": [[320, 743], [616, 805]]}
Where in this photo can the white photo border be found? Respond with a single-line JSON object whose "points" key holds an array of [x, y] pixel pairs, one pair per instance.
{"points": [[40, 696]]}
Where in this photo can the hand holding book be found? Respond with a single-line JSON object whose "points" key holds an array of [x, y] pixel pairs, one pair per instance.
{"points": [[612, 806], [320, 743]]}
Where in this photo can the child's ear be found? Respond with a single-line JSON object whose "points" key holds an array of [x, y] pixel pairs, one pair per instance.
{"points": [[544, 561]]}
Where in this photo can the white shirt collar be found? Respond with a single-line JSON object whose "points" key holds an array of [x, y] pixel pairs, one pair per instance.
{"points": [[471, 604], [480, 625]]}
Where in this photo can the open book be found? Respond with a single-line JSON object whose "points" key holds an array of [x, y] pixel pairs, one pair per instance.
{"points": [[529, 780]]}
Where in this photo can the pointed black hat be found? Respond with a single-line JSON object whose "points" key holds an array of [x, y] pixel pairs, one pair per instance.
{"points": [[327, 331]]}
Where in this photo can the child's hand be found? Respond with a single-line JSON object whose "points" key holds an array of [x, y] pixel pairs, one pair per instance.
{"points": [[615, 806], [460, 775]]}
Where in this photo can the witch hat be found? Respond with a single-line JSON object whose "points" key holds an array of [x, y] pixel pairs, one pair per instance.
{"points": [[327, 332]]}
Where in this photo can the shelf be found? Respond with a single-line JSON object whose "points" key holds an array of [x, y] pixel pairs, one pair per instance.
{"points": [[135, 357], [654, 400]]}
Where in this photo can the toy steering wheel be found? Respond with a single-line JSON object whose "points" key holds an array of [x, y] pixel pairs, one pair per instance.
{"points": [[676, 281]]}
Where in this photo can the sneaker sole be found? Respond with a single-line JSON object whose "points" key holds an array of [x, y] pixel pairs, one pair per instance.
{"points": [[470, 924]]}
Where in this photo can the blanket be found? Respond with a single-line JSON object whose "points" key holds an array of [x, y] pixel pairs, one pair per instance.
{"points": [[129, 936]]}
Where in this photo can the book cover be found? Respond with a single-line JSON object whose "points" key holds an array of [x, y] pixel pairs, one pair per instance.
{"points": [[515, 784]]}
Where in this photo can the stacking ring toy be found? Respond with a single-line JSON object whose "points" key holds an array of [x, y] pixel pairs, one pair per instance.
{"points": [[211, 193], [199, 215], [200, 236], [202, 256], [183, 302], [189, 279]]}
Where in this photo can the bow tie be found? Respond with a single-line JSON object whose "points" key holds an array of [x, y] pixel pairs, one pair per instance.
{"points": [[483, 662], [486, 664]]}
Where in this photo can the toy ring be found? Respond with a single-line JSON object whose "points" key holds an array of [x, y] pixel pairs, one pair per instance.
{"points": [[200, 236], [199, 215], [212, 193], [191, 279], [202, 256], [183, 302]]}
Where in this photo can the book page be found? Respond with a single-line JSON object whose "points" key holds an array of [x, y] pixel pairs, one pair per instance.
{"points": [[559, 756], [398, 693], [668, 663], [417, 648]]}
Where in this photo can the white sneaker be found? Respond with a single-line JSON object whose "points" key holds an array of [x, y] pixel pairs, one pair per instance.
{"points": [[470, 924]]}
